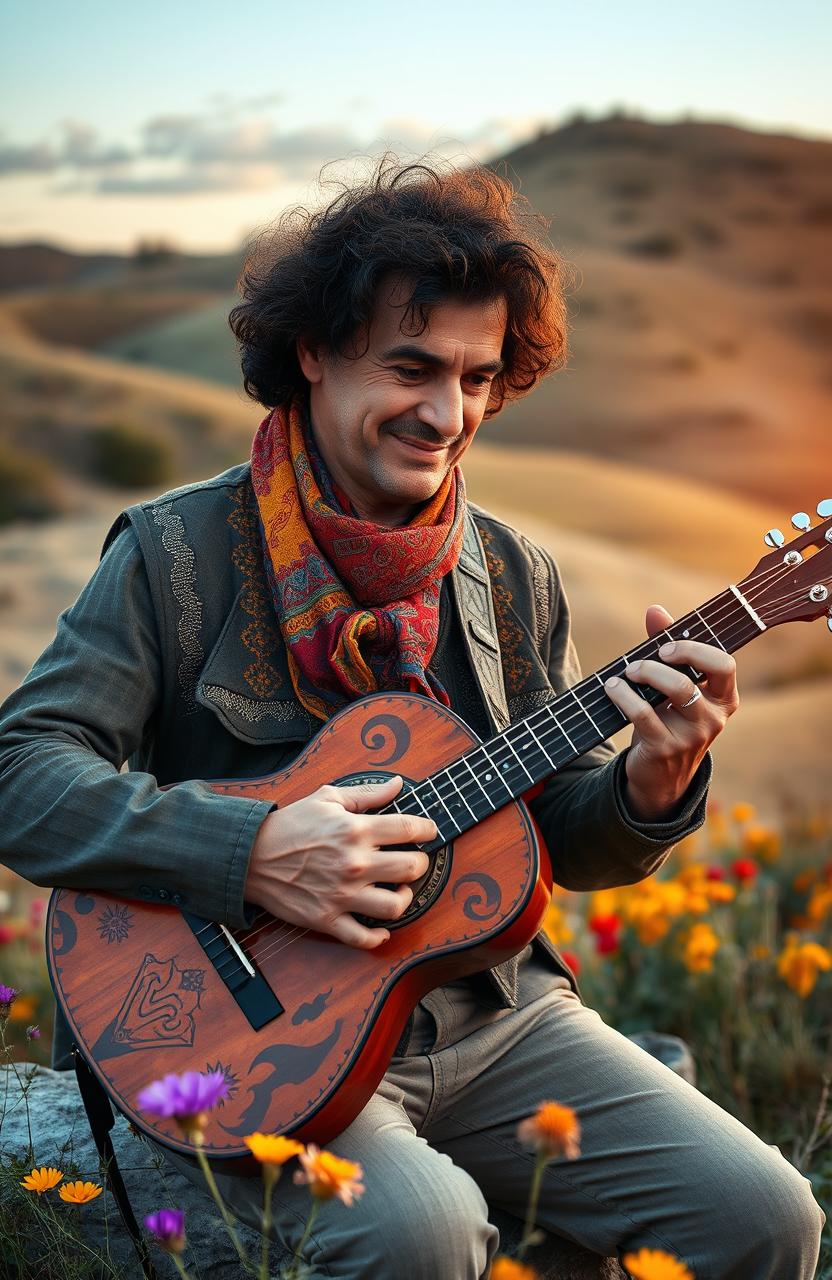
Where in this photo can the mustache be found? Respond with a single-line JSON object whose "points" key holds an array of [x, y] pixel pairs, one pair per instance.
{"points": [[419, 431]]}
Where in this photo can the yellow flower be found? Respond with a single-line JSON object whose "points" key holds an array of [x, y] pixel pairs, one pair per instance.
{"points": [[555, 925], [743, 812], [272, 1148], [327, 1175], [24, 1009], [503, 1268], [820, 903], [701, 945], [41, 1180], [800, 963], [553, 1129], [760, 952], [79, 1192], [655, 1264], [719, 891], [762, 842]]}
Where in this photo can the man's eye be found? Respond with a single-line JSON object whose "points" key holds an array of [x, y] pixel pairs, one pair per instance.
{"points": [[406, 373]]}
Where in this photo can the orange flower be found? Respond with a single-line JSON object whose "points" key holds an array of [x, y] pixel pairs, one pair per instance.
{"points": [[272, 1148], [79, 1192], [701, 945], [763, 842], [743, 812], [555, 925], [41, 1180], [327, 1175], [800, 963], [503, 1268], [553, 1130], [655, 1264]]}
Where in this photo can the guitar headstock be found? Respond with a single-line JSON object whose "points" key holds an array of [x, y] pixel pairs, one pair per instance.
{"points": [[794, 582]]}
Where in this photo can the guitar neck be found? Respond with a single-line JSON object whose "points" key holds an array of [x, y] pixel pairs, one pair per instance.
{"points": [[529, 751]]}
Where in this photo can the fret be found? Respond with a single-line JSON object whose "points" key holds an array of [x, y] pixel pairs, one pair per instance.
{"points": [[550, 764], [421, 809], [463, 760], [713, 633], [517, 758], [447, 776], [596, 727], [429, 782], [557, 725], [492, 773]]}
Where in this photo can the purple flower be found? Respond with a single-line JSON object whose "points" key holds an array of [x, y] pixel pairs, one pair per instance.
{"points": [[33, 1033], [8, 995], [186, 1097], [167, 1228]]}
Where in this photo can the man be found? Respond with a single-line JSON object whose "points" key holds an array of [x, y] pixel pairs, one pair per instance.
{"points": [[230, 619]]}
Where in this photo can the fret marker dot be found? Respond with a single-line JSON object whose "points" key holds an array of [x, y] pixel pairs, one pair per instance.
{"points": [[686, 634], [488, 777]]}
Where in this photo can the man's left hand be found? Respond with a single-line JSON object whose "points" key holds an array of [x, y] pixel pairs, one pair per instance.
{"points": [[670, 740]]}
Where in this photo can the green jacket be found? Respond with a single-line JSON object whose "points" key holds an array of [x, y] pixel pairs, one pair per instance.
{"points": [[171, 659]]}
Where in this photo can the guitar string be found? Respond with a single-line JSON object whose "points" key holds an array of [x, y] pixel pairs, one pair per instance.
{"points": [[288, 939]]}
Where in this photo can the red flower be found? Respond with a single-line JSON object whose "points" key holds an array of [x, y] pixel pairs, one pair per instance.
{"points": [[572, 960], [606, 930], [715, 873], [744, 869]]}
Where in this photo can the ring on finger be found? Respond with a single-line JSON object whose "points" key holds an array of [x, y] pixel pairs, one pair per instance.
{"points": [[697, 694]]}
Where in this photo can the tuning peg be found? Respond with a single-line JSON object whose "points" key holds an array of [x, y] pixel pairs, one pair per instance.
{"points": [[824, 508], [829, 623], [800, 520], [774, 538]]}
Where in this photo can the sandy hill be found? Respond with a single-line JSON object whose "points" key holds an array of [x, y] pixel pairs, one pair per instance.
{"points": [[701, 308]]}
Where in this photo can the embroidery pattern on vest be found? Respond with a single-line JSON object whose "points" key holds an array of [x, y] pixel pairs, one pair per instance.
{"points": [[541, 593], [260, 636], [516, 668], [183, 586], [247, 708]]}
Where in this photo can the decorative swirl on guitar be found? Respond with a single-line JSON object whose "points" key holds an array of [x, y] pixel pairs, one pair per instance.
{"points": [[390, 727], [484, 904]]}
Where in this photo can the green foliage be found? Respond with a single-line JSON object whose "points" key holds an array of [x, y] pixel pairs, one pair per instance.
{"points": [[29, 488], [123, 455]]}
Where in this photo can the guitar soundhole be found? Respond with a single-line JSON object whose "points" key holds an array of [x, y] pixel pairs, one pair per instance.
{"points": [[431, 883]]}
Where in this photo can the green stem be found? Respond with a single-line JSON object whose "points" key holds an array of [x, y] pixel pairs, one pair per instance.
{"points": [[294, 1273], [218, 1201], [270, 1177], [531, 1211], [180, 1266]]}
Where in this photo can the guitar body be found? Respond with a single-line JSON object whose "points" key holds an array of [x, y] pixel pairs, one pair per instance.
{"points": [[302, 1025]]}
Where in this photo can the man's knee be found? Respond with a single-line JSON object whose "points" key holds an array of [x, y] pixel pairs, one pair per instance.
{"points": [[772, 1226], [431, 1228]]}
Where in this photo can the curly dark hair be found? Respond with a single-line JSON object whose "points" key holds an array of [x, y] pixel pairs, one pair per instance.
{"points": [[448, 232]]}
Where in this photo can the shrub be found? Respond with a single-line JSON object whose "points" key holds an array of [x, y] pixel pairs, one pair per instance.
{"points": [[128, 457], [29, 488]]}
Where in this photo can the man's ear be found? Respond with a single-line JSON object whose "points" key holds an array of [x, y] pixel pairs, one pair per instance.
{"points": [[311, 359]]}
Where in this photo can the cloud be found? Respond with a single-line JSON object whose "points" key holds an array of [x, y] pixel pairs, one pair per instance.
{"points": [[231, 147]]}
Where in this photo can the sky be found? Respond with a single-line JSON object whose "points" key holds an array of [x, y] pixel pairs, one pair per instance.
{"points": [[196, 123]]}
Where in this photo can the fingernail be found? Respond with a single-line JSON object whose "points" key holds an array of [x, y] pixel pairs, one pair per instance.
{"points": [[667, 649], [612, 683], [632, 670]]}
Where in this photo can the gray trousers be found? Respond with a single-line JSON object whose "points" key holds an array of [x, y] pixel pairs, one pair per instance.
{"points": [[661, 1166]]}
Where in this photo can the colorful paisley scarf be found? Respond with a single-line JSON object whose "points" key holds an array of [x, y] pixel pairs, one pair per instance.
{"points": [[357, 603]]}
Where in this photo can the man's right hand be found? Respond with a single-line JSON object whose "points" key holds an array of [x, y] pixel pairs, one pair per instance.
{"points": [[319, 860]]}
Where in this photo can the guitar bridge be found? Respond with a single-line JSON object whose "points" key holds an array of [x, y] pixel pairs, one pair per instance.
{"points": [[234, 968]]}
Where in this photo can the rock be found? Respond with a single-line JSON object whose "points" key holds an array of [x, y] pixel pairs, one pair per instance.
{"points": [[61, 1137]]}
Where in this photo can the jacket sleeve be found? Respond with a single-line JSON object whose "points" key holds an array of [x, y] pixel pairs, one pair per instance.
{"points": [[594, 842], [72, 818]]}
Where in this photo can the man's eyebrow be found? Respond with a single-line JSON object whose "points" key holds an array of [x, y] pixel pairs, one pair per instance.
{"points": [[428, 357]]}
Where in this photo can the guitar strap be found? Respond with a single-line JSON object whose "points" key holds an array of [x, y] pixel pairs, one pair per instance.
{"points": [[479, 625], [101, 1120]]}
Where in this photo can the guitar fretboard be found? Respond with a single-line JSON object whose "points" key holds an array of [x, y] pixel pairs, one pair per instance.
{"points": [[529, 751]]}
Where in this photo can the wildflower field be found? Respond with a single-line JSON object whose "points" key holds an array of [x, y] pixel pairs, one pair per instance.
{"points": [[729, 947]]}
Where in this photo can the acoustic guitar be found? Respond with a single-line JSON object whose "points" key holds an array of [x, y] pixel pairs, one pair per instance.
{"points": [[302, 1025]]}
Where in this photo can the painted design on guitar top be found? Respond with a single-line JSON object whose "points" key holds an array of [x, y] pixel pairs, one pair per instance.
{"points": [[63, 927], [231, 1081], [291, 1064], [482, 905], [312, 1009], [159, 1009], [84, 904], [114, 924], [389, 727]]}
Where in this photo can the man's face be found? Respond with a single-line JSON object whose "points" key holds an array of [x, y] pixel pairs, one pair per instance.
{"points": [[392, 423]]}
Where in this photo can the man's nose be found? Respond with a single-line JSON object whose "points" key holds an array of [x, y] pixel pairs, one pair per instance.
{"points": [[442, 409]]}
